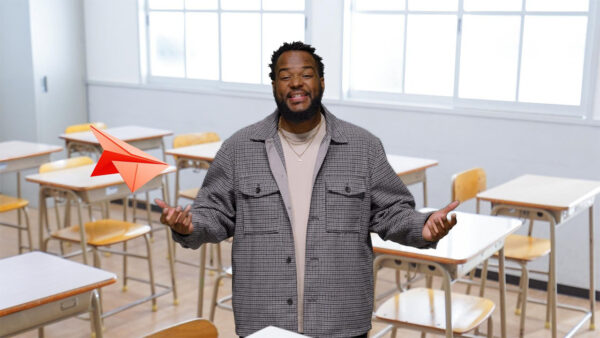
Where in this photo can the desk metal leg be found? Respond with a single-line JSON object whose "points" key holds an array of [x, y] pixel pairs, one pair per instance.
{"points": [[592, 284], [552, 284], [97, 321], [201, 279], [502, 290], [425, 191]]}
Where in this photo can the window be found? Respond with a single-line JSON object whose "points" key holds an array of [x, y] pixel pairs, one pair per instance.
{"points": [[527, 55], [219, 40]]}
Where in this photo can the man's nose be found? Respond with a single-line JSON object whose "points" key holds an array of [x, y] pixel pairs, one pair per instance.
{"points": [[296, 81]]}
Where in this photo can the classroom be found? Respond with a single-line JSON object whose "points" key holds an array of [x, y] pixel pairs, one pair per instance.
{"points": [[154, 155]]}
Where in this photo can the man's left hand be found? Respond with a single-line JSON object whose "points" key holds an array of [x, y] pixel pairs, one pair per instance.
{"points": [[438, 225]]}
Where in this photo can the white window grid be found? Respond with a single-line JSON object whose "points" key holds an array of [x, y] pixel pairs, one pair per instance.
{"points": [[584, 110], [191, 82]]}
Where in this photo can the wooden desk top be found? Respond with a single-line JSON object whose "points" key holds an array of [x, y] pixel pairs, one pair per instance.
{"points": [[471, 235], [205, 151], [404, 165], [125, 133], [37, 278], [544, 192], [14, 150], [79, 179]]}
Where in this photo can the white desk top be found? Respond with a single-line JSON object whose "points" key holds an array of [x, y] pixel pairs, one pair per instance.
{"points": [[80, 179], [550, 193], [404, 165], [205, 151], [125, 133], [271, 331], [14, 150], [472, 234], [37, 278]]}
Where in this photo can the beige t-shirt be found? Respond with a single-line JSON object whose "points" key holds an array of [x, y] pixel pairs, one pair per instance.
{"points": [[300, 151]]}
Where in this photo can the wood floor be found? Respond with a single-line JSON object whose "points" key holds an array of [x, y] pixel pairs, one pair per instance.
{"points": [[140, 320]]}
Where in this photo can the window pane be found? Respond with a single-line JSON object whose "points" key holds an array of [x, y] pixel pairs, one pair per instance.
{"points": [[240, 4], [202, 43], [166, 44], [489, 57], [380, 5], [557, 5], [240, 46], [433, 5], [493, 5], [430, 54], [376, 59], [283, 5], [552, 61], [201, 4], [165, 4], [277, 29]]}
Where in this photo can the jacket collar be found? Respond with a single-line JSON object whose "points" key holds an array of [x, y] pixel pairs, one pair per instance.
{"points": [[267, 128]]}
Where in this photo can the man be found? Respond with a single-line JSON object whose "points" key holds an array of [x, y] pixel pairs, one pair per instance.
{"points": [[300, 191]]}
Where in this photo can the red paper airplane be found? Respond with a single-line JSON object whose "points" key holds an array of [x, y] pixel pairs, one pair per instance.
{"points": [[135, 166]]}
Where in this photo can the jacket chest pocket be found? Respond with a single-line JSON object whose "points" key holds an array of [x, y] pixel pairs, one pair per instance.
{"points": [[344, 200], [261, 205]]}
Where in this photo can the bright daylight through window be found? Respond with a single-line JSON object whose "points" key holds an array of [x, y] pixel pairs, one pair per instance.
{"points": [[226, 40], [524, 53]]}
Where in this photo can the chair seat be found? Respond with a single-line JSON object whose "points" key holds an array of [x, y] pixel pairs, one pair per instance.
{"points": [[525, 248], [189, 193], [8, 203], [194, 328], [103, 232], [425, 308]]}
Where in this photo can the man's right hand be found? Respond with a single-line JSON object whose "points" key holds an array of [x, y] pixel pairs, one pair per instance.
{"points": [[179, 220]]}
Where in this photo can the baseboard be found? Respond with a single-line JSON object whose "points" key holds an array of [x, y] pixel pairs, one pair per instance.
{"points": [[542, 285]]}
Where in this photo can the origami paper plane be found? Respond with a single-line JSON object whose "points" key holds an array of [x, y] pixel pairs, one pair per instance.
{"points": [[135, 166]]}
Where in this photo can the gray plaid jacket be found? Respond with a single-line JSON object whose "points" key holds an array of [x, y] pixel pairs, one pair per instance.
{"points": [[245, 195]]}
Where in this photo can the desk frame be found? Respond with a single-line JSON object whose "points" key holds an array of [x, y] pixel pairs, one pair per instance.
{"points": [[555, 219]]}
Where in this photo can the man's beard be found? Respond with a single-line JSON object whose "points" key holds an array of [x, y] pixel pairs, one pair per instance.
{"points": [[301, 116]]}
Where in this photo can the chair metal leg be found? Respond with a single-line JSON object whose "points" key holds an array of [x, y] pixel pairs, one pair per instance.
{"points": [[124, 288], [524, 290], [483, 278], [28, 225], [151, 272], [170, 245], [490, 327], [213, 303]]}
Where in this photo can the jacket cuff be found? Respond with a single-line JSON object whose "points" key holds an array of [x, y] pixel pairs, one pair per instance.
{"points": [[416, 234]]}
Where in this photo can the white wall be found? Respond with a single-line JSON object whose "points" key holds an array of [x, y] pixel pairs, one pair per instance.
{"points": [[17, 100], [505, 147]]}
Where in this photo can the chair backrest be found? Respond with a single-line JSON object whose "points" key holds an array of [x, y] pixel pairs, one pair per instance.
{"points": [[84, 127], [185, 140], [65, 164], [467, 184], [194, 328]]}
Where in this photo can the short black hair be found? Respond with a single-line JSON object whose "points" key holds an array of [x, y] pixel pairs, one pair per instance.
{"points": [[299, 46]]}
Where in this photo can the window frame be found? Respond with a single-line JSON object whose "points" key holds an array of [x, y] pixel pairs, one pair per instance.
{"points": [[185, 82], [456, 104]]}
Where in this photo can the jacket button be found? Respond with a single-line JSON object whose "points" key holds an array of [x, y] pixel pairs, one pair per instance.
{"points": [[290, 301], [348, 189], [288, 260], [258, 190]]}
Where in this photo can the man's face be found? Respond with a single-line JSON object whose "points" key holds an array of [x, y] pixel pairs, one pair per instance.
{"points": [[297, 87]]}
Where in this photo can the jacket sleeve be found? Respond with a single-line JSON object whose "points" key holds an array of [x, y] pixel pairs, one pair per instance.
{"points": [[393, 214], [213, 210]]}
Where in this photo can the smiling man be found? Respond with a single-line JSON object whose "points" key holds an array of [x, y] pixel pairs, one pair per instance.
{"points": [[300, 191]]}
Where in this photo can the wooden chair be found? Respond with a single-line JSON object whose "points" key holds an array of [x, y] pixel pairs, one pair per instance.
{"points": [[80, 148], [99, 234], [9, 203], [185, 140], [424, 309], [517, 248], [193, 328]]}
